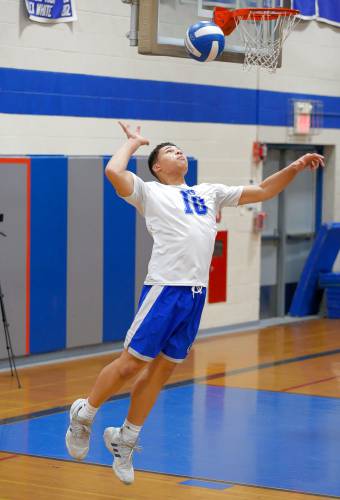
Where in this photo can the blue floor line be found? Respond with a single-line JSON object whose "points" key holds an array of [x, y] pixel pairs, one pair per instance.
{"points": [[206, 484]]}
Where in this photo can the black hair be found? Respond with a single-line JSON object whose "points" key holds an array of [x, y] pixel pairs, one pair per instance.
{"points": [[153, 157]]}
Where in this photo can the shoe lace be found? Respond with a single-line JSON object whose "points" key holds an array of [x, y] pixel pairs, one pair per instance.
{"points": [[128, 449], [80, 430]]}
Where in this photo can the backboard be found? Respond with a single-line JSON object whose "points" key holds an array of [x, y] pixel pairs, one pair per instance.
{"points": [[163, 24]]}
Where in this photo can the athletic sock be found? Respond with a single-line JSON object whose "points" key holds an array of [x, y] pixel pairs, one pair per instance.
{"points": [[130, 432], [87, 412]]}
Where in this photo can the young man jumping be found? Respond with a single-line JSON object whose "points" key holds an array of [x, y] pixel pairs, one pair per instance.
{"points": [[182, 222]]}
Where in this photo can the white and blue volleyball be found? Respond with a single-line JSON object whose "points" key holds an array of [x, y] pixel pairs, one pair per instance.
{"points": [[204, 41]]}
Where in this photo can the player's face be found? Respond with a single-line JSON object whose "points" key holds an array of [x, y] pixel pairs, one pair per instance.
{"points": [[171, 160]]}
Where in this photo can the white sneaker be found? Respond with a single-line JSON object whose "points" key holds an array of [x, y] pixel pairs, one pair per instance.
{"points": [[78, 434], [122, 452]]}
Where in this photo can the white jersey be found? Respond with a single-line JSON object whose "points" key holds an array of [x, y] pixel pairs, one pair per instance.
{"points": [[182, 223]]}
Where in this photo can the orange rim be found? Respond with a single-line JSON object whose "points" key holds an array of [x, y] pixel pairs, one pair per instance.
{"points": [[227, 19], [263, 14]]}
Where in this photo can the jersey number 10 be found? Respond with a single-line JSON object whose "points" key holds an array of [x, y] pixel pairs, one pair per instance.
{"points": [[192, 201]]}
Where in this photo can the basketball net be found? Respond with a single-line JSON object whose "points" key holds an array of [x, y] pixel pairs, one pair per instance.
{"points": [[263, 32]]}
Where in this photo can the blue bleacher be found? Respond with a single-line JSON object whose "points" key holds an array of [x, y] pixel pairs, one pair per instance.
{"points": [[331, 283], [308, 294]]}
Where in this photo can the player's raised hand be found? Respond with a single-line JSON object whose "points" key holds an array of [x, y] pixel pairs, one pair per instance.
{"points": [[136, 135], [310, 160]]}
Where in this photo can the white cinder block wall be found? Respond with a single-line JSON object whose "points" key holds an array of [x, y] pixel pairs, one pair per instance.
{"points": [[96, 45]]}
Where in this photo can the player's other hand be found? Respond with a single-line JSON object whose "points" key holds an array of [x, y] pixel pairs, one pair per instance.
{"points": [[310, 160], [136, 135]]}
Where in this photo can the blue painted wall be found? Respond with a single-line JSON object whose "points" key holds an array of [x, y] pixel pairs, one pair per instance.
{"points": [[63, 94]]}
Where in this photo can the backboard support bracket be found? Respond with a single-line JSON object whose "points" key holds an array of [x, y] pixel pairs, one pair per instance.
{"points": [[132, 35]]}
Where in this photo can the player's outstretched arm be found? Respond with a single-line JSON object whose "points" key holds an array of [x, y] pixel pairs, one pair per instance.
{"points": [[277, 182], [115, 170]]}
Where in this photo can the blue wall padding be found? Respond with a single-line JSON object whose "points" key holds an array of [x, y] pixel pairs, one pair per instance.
{"points": [[119, 262], [48, 254], [324, 251]]}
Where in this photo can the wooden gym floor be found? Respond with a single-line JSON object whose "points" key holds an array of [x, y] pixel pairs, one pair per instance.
{"points": [[254, 402]]}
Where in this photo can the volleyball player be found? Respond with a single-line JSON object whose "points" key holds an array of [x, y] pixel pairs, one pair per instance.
{"points": [[182, 222]]}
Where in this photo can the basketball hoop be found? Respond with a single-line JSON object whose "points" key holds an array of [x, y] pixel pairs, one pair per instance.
{"points": [[263, 32]]}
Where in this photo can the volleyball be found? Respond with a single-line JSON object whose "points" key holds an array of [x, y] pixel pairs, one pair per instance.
{"points": [[204, 41]]}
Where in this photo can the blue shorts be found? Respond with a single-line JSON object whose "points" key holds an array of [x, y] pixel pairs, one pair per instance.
{"points": [[166, 322]]}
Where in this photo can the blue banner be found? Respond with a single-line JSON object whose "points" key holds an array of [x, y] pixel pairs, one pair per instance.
{"points": [[51, 11], [327, 11]]}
